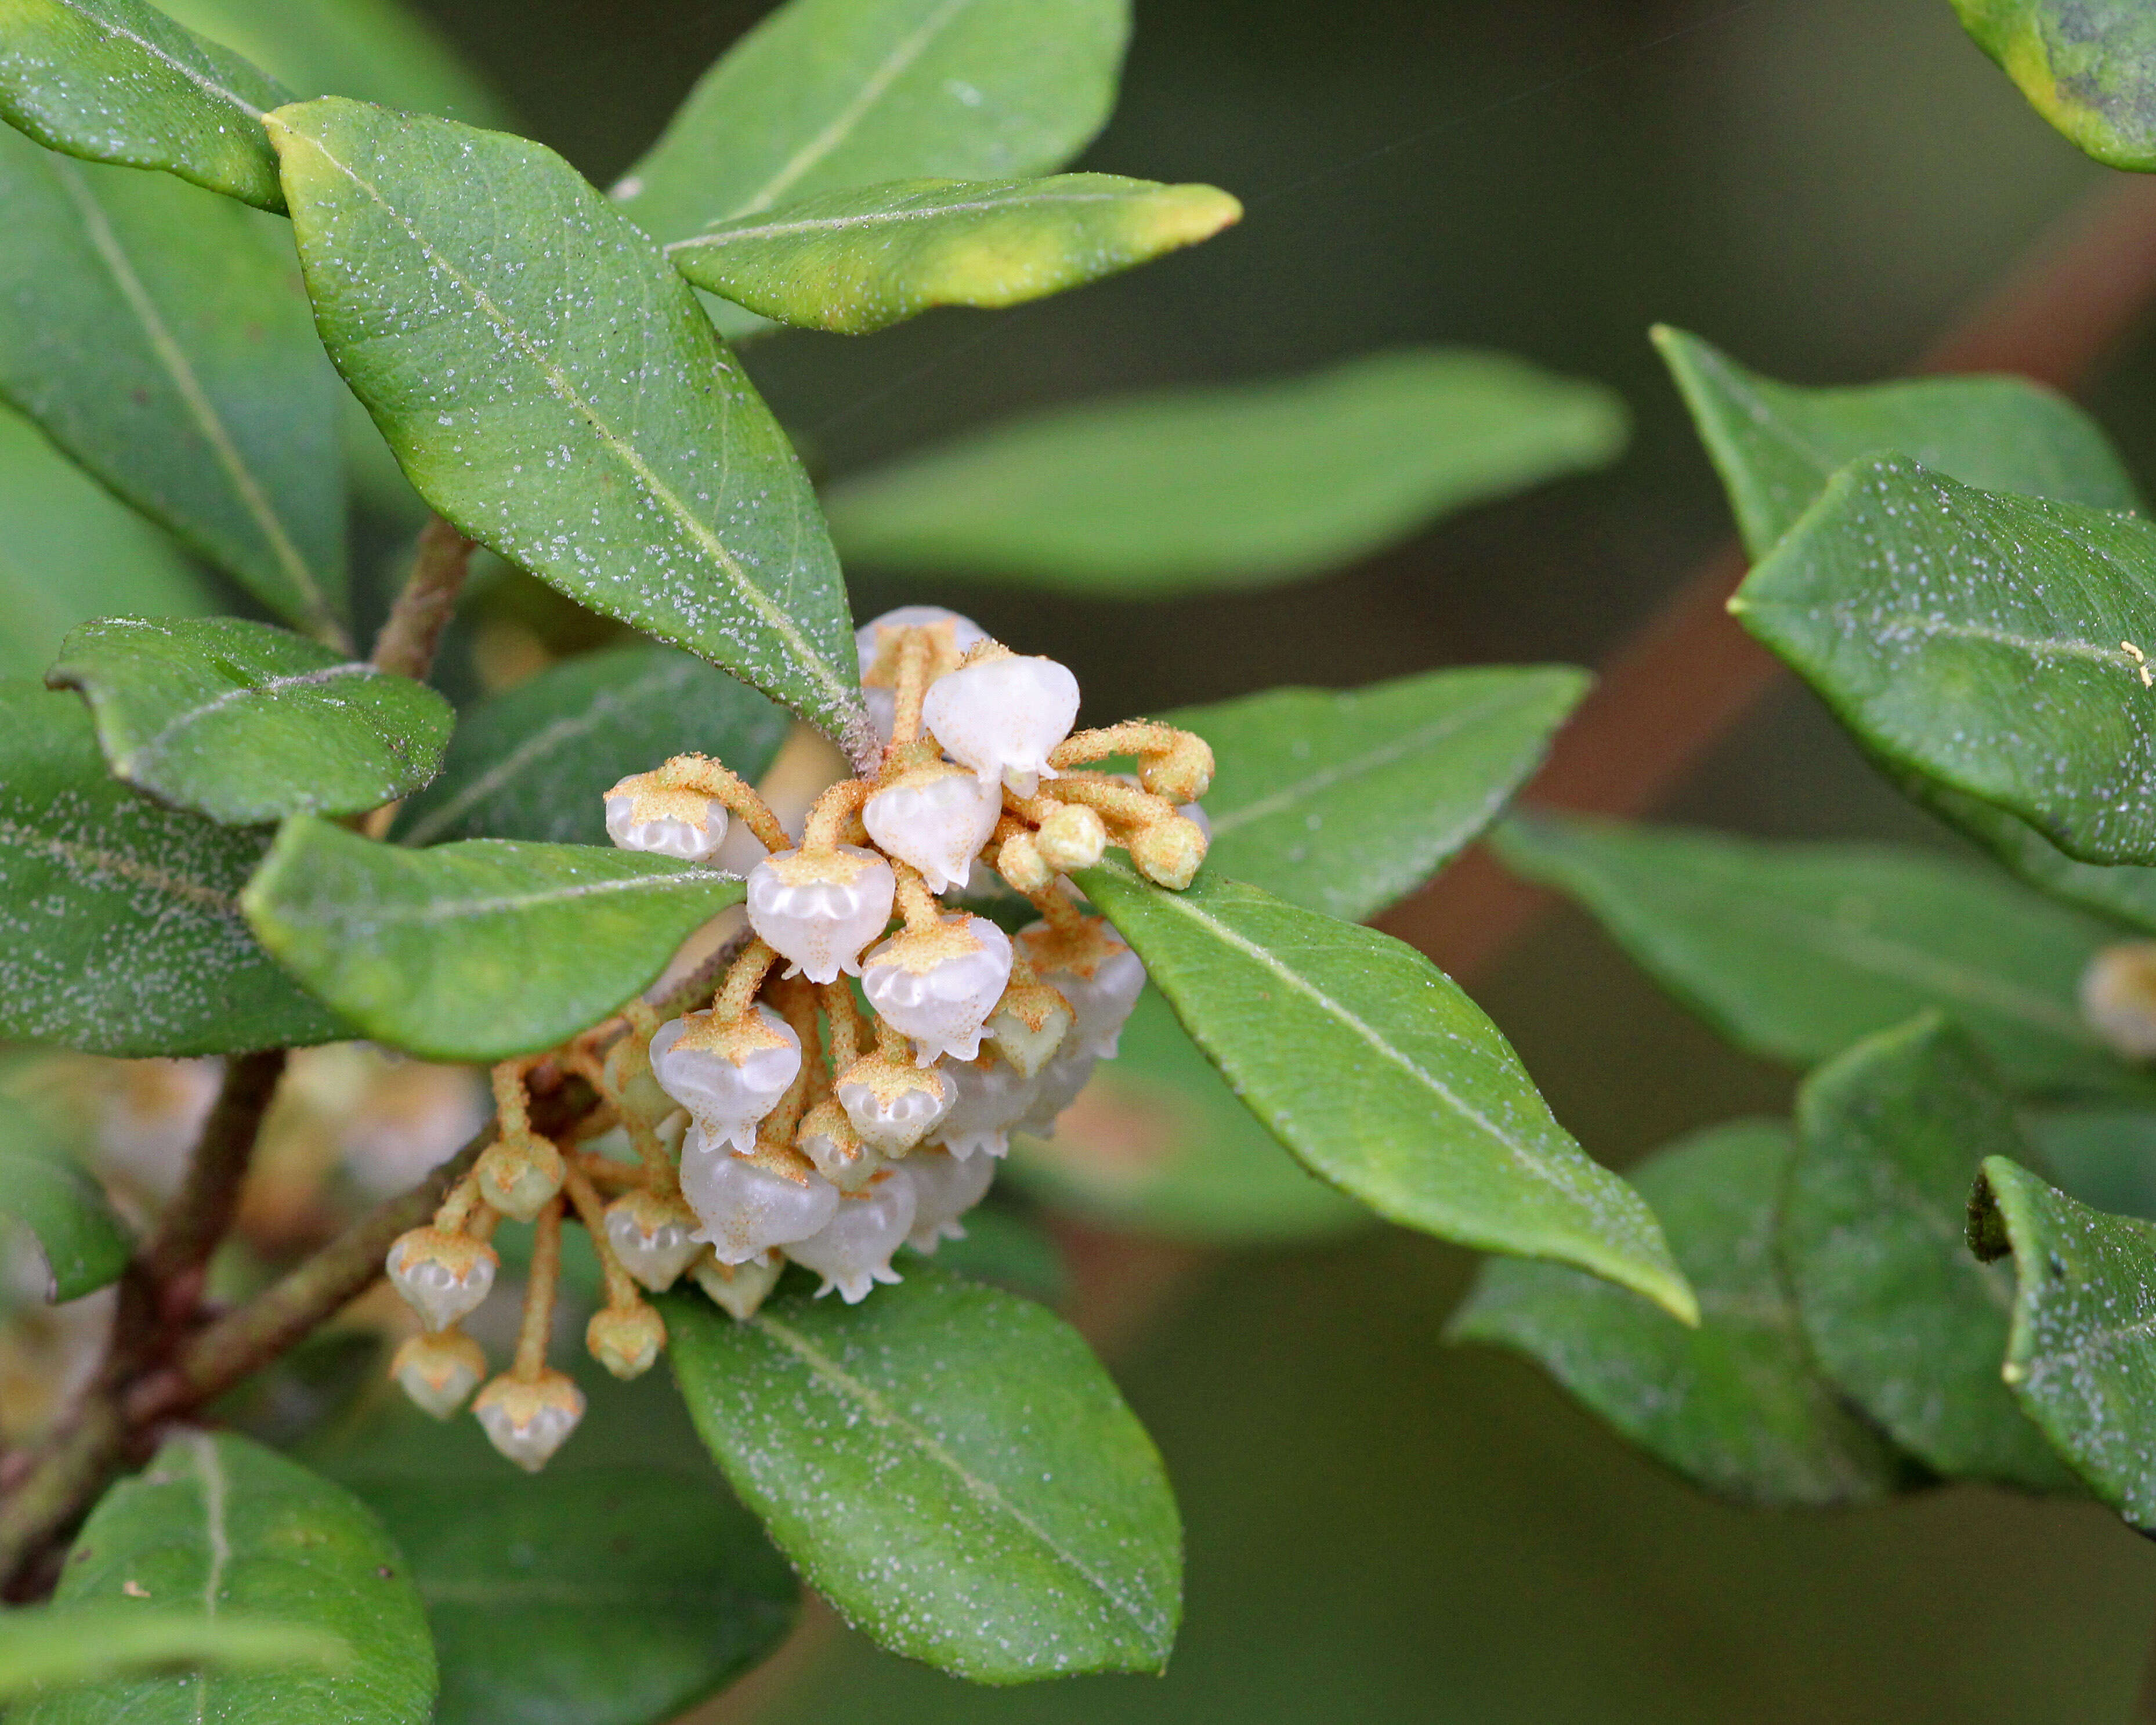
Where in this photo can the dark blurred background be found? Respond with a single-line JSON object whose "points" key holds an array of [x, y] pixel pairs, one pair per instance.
{"points": [[1381, 1528]]}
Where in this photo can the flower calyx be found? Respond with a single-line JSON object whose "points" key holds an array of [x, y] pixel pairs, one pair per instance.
{"points": [[819, 907], [528, 1419], [936, 983], [441, 1274], [438, 1369], [728, 1072]]}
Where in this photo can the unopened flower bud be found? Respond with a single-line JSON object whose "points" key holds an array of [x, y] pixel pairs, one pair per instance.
{"points": [[938, 985], [1001, 716], [819, 909], [936, 817], [625, 1339], [519, 1175], [654, 1237], [835, 1147], [944, 1188], [738, 1289], [528, 1421], [1019, 860], [852, 1252], [951, 637], [1183, 774], [666, 819], [1057, 1088], [2118, 998], [1168, 852], [438, 1370], [991, 1098], [441, 1276], [1093, 968], [728, 1075], [1029, 1023], [893, 1106], [1072, 836], [750, 1203]]}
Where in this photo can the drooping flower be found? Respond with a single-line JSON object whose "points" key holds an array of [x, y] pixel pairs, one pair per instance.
{"points": [[728, 1075], [1001, 717], [937, 986], [819, 909]]}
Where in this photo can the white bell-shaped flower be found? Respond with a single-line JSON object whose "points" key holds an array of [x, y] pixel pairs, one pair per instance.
{"points": [[819, 909], [1057, 1088], [1095, 970], [665, 819], [852, 1252], [834, 1146], [937, 986], [750, 1203], [1001, 717], [952, 637], [1029, 1025], [892, 1105], [654, 1237], [945, 1187], [727, 1076], [438, 1370], [441, 1276], [528, 1421], [738, 1289], [993, 1096], [936, 817]]}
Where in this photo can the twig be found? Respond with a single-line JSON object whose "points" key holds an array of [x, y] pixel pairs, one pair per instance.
{"points": [[408, 640], [200, 1213]]}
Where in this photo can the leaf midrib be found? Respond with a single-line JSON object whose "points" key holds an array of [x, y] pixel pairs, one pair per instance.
{"points": [[376, 912], [79, 857], [716, 239], [161, 741], [194, 75]]}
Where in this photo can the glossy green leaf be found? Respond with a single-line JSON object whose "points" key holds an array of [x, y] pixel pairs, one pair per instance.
{"points": [[70, 551], [219, 1524], [826, 94], [1159, 1142], [1216, 490], [120, 931], [2088, 66], [1794, 951], [61, 1646], [118, 82], [1371, 1064], [45, 1190], [2123, 892], [948, 1465], [1776, 444], [1345, 802], [860, 260], [476, 951], [536, 763], [158, 337], [2081, 1350], [1897, 1312], [2104, 1156], [1736, 1405], [548, 384], [1984, 640], [246, 723]]}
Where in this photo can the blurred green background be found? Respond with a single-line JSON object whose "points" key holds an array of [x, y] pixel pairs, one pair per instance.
{"points": [[1380, 1528]]}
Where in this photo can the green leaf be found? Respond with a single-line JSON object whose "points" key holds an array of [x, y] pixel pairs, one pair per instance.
{"points": [[1736, 1404], [1794, 951], [157, 337], [69, 551], [124, 930], [1370, 1064], [2081, 1350], [219, 1524], [950, 1467], [1345, 802], [1897, 1312], [536, 763], [118, 82], [826, 94], [548, 384], [2088, 66], [478, 950], [61, 1646], [2124, 893], [1984, 640], [1159, 1142], [42, 1188], [857, 261], [246, 723], [1221, 490], [2104, 1156]]}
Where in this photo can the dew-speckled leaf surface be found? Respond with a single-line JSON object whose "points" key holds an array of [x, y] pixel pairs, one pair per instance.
{"points": [[1383, 1077], [121, 931], [60, 1646], [2081, 1354], [1984, 640], [826, 95], [1157, 1142], [1343, 801], [949, 1467], [158, 335], [857, 261], [218, 1524], [1777, 445], [70, 551], [1794, 951], [247, 723], [536, 763], [1897, 1310], [475, 951], [1215, 490], [1736, 1405], [548, 383], [2088, 66], [119, 81], [45, 1190]]}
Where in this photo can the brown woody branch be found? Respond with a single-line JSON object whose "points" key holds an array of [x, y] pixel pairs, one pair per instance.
{"points": [[414, 631]]}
